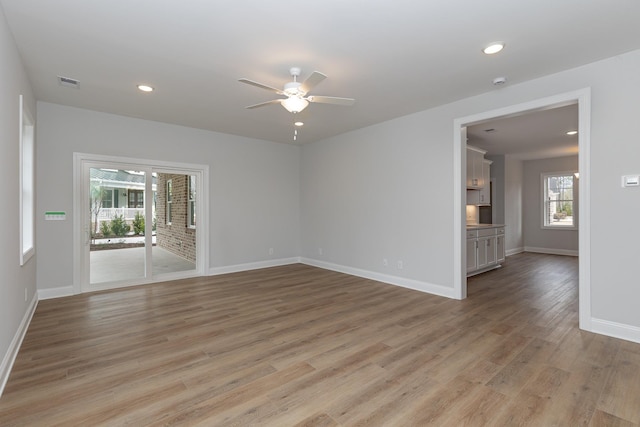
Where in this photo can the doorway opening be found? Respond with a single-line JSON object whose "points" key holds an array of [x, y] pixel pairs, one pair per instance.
{"points": [[582, 99]]}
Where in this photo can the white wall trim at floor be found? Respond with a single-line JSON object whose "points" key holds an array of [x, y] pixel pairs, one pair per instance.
{"points": [[514, 251], [616, 330], [214, 271], [551, 251], [16, 342], [384, 278], [64, 291]]}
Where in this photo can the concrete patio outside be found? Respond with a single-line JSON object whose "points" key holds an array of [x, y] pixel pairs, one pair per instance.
{"points": [[110, 265]]}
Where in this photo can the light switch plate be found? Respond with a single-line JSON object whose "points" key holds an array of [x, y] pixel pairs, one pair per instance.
{"points": [[55, 216]]}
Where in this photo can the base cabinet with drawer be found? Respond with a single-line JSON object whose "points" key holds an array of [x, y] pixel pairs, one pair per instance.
{"points": [[485, 248]]}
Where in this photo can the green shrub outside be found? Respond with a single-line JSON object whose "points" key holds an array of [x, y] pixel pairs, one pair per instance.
{"points": [[138, 224], [105, 229], [119, 227]]}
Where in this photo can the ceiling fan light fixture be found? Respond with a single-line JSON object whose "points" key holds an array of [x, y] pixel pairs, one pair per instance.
{"points": [[295, 104], [293, 89]]}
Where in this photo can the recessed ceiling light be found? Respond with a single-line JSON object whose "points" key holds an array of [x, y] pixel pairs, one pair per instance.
{"points": [[145, 88], [494, 47], [572, 132], [298, 124], [499, 81]]}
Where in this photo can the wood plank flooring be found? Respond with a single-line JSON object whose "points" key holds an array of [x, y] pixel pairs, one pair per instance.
{"points": [[301, 346]]}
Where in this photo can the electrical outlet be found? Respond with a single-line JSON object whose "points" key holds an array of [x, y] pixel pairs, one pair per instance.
{"points": [[320, 251], [270, 251], [400, 265], [26, 294], [385, 262]]}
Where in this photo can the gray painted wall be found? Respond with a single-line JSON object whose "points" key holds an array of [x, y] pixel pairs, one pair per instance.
{"points": [[514, 238], [535, 237], [254, 186], [15, 279], [383, 192], [386, 191]]}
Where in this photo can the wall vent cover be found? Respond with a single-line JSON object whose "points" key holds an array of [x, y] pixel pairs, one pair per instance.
{"points": [[68, 82]]}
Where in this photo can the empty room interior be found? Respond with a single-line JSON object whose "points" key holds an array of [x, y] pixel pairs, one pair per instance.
{"points": [[319, 214]]}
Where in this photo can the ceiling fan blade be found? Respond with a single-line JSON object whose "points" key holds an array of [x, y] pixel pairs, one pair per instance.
{"points": [[262, 104], [260, 85], [315, 78], [331, 100]]}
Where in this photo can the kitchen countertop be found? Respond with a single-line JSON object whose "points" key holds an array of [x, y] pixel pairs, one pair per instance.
{"points": [[477, 226]]}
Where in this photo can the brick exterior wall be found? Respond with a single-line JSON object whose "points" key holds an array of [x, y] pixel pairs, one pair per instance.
{"points": [[177, 237]]}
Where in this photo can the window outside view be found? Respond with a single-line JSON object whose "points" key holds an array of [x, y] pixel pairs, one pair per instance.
{"points": [[559, 201]]}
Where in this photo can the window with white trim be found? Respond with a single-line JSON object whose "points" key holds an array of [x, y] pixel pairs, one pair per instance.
{"points": [[559, 207], [27, 178], [191, 202]]}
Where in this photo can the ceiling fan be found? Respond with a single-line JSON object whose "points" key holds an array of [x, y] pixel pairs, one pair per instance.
{"points": [[296, 92]]}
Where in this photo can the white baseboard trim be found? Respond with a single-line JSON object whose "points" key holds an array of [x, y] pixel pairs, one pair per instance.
{"points": [[515, 251], [51, 293], [551, 251], [252, 266], [616, 330], [16, 342], [416, 285]]}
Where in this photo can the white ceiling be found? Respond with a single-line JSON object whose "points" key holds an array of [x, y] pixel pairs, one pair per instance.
{"points": [[534, 135], [395, 58]]}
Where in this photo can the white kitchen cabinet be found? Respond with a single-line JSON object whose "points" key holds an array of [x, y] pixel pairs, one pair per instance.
{"points": [[485, 248], [482, 197], [475, 157], [472, 246], [485, 191], [500, 250]]}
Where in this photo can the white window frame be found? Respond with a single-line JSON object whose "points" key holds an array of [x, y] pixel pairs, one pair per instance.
{"points": [[545, 214], [191, 201], [27, 184], [168, 201]]}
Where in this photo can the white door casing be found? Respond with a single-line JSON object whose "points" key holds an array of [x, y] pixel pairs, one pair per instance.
{"points": [[583, 98], [81, 219]]}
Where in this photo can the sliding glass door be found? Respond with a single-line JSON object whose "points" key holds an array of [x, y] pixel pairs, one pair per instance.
{"points": [[140, 224], [117, 249]]}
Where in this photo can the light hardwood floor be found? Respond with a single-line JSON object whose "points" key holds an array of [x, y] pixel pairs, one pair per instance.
{"points": [[301, 346]]}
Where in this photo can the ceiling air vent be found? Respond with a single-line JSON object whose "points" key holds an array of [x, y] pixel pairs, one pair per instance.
{"points": [[68, 82]]}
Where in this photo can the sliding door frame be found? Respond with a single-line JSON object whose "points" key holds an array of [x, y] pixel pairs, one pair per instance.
{"points": [[82, 234]]}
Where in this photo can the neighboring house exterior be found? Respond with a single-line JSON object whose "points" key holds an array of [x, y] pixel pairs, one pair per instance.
{"points": [[122, 193], [176, 219]]}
